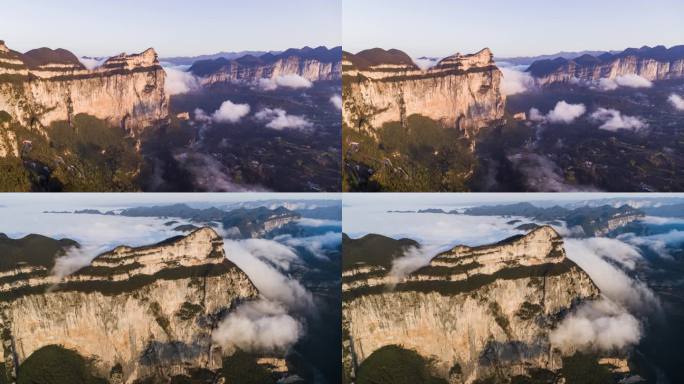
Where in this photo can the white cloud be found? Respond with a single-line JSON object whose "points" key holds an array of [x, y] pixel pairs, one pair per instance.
{"points": [[293, 81], [536, 115], [676, 101], [179, 81], [565, 113], [336, 100], [597, 325], [74, 259], [92, 63], [515, 81], [598, 260], [230, 112], [209, 174], [269, 280], [412, 259], [613, 120], [543, 175], [630, 81], [259, 326], [315, 244], [279, 119], [425, 62]]}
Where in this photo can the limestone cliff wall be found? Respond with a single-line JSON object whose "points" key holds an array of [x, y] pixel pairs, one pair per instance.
{"points": [[150, 309], [462, 91], [484, 309], [127, 90], [310, 69]]}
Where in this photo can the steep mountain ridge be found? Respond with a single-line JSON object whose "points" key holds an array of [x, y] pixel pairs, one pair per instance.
{"points": [[150, 309], [475, 311], [656, 63], [461, 91], [313, 64], [44, 85]]}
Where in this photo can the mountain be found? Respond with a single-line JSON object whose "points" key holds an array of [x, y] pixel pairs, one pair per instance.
{"points": [[142, 313], [461, 91], [473, 314], [43, 86], [189, 60], [656, 63], [527, 60], [313, 64]]}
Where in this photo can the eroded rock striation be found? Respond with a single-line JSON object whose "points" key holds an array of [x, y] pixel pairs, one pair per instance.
{"points": [[150, 309], [461, 91], [313, 64], [44, 85], [657, 63], [477, 311]]}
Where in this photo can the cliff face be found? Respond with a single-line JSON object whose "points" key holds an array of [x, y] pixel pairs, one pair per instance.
{"points": [[485, 309], [461, 91], [657, 63], [312, 64], [43, 86], [151, 309]]}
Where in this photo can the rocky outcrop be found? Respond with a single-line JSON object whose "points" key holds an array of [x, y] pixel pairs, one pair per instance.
{"points": [[313, 64], [485, 309], [461, 91], [43, 86], [657, 63], [150, 309]]}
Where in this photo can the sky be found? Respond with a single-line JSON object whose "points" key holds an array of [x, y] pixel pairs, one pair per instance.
{"points": [[172, 27], [439, 28]]}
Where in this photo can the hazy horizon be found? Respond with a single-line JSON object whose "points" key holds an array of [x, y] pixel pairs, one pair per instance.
{"points": [[509, 29], [173, 28]]}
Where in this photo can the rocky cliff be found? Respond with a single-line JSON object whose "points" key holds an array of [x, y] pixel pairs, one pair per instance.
{"points": [[461, 91], [44, 85], [313, 64], [150, 309], [477, 311], [657, 63]]}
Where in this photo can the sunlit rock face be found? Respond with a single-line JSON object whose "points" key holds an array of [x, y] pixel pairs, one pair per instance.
{"points": [[657, 63], [461, 91], [151, 309], [312, 64], [43, 86], [484, 309]]}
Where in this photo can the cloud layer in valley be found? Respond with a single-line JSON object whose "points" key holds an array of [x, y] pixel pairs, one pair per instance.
{"points": [[293, 81], [562, 113], [630, 81], [515, 80], [613, 120], [277, 118], [676, 101], [228, 112], [336, 100], [179, 81]]}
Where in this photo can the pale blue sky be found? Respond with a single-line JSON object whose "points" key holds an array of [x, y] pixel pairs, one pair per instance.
{"points": [[510, 28], [172, 27]]}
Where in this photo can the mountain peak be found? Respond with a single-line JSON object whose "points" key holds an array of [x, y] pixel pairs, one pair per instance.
{"points": [[3, 47]]}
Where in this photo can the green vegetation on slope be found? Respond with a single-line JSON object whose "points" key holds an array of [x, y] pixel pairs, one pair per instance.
{"points": [[583, 368], [373, 249], [394, 365], [54, 364], [241, 367], [423, 156], [88, 155]]}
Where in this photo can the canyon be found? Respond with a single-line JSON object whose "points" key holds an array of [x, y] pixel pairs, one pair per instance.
{"points": [[138, 312], [313, 64], [460, 91], [43, 86], [476, 312], [651, 63]]}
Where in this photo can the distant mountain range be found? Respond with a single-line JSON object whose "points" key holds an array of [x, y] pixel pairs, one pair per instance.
{"points": [[527, 60], [189, 60]]}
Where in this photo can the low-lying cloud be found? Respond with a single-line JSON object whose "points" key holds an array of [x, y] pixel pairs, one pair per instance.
{"points": [[92, 63], [425, 62], [258, 326], [336, 100], [209, 175], [598, 325], [278, 119], [543, 175], [515, 81], [293, 81], [179, 81], [613, 120], [630, 81], [413, 259], [676, 101], [562, 113]]}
